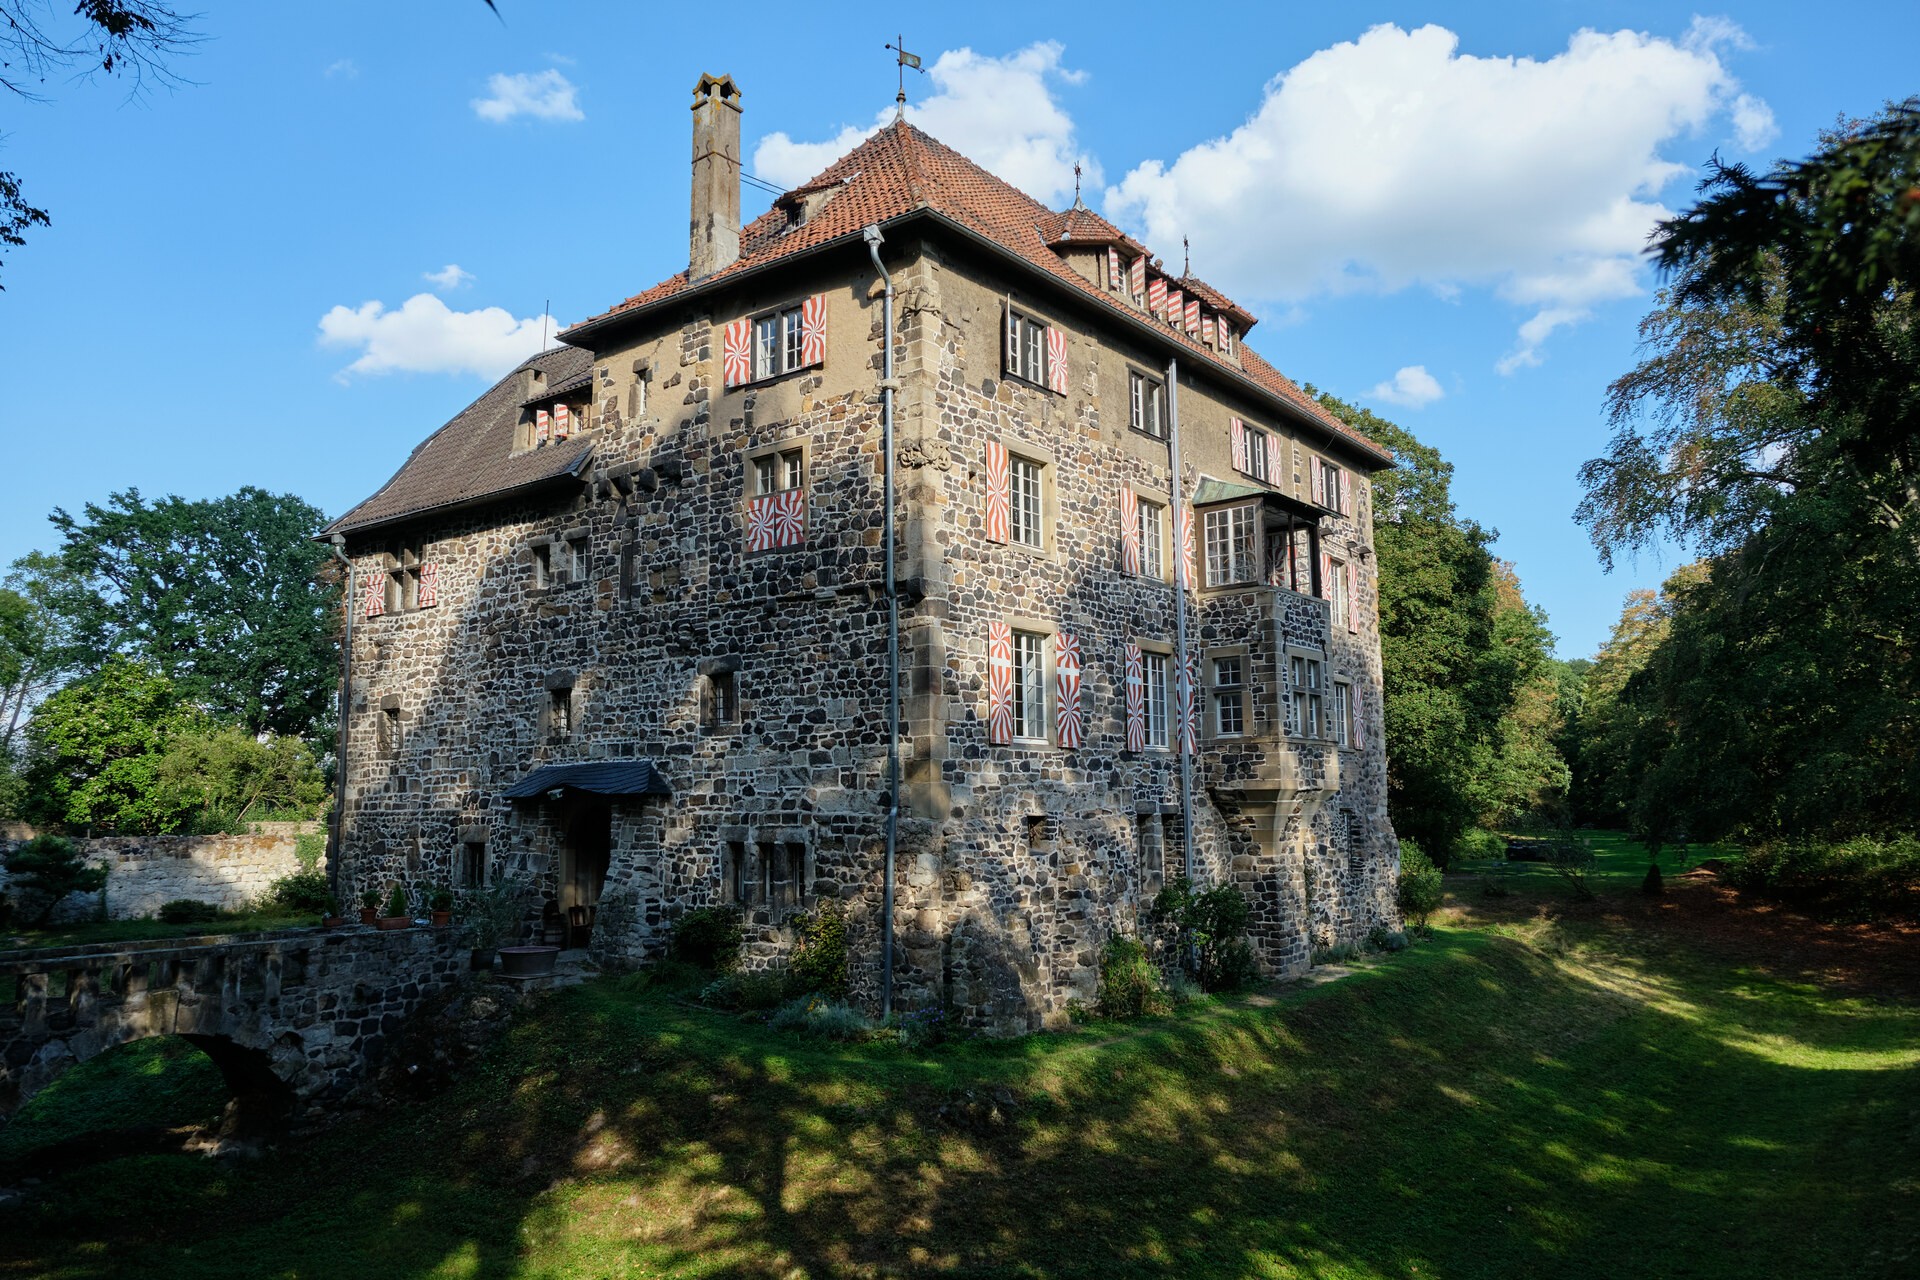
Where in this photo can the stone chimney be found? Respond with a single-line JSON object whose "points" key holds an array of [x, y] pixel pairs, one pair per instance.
{"points": [[714, 239]]}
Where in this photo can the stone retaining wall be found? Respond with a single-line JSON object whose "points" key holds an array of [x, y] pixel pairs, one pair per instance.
{"points": [[146, 871]]}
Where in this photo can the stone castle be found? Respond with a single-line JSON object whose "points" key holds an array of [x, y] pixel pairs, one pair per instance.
{"points": [[621, 627]]}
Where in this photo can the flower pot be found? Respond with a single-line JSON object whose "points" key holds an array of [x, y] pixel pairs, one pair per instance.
{"points": [[441, 919], [332, 922], [527, 962], [481, 959], [393, 922], [368, 915]]}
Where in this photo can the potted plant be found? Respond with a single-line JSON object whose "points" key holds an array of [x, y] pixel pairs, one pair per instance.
{"points": [[330, 917], [396, 917], [369, 906], [491, 916], [440, 907]]}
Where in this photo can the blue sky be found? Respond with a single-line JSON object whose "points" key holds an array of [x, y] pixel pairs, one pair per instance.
{"points": [[1436, 219]]}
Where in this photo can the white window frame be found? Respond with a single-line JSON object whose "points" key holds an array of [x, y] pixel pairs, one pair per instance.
{"points": [[1025, 344], [1228, 694], [1026, 501], [1340, 712], [1256, 446], [1151, 518], [1156, 673], [1330, 478], [1146, 405], [1030, 682], [1306, 694], [779, 469], [1337, 601], [1230, 556], [775, 343]]}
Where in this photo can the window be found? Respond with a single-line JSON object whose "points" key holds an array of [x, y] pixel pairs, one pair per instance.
{"points": [[778, 343], [1039, 830], [1147, 405], [1229, 696], [543, 565], [720, 704], [1332, 474], [1257, 454], [559, 714], [1340, 713], [577, 560], [734, 877], [473, 864], [1230, 546], [783, 867], [1305, 681], [1147, 847], [1153, 523], [403, 576], [390, 729], [1027, 349], [1154, 667], [1024, 505], [1029, 685], [780, 470], [1337, 595]]}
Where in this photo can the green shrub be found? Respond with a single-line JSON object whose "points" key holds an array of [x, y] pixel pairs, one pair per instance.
{"points": [[819, 1016], [1571, 857], [710, 937], [1420, 890], [738, 992], [1652, 884], [440, 899], [1492, 888], [189, 911], [922, 1029], [1860, 878], [491, 916], [309, 848], [819, 961], [1211, 925], [1129, 984], [301, 891], [1338, 953], [1381, 938], [1476, 846], [397, 902], [50, 868]]}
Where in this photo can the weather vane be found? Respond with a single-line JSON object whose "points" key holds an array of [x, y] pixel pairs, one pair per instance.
{"points": [[1076, 184], [1186, 258], [906, 60]]}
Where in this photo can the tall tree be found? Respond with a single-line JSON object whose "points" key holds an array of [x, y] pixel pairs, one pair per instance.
{"points": [[96, 747], [229, 598]]}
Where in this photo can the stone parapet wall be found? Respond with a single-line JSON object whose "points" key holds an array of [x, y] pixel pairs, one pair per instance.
{"points": [[145, 871]]}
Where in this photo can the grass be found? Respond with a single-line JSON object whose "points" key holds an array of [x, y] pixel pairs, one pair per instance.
{"points": [[1619, 862], [164, 1082], [112, 932], [1518, 1095]]}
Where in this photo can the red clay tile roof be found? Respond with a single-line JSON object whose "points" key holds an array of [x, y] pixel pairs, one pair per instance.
{"points": [[1081, 225], [472, 456], [900, 170]]}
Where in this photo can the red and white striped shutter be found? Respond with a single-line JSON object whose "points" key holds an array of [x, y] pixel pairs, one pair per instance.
{"points": [[1353, 598], [1186, 544], [760, 529], [1273, 459], [1157, 296], [1319, 475], [1239, 446], [1129, 529], [1359, 716], [428, 594], [542, 426], [1139, 276], [1069, 726], [1226, 337], [813, 330], [374, 597], [1114, 279], [999, 514], [1193, 316], [1056, 359], [1346, 494], [736, 354], [790, 518], [999, 683], [1176, 308], [1136, 700], [1326, 576], [1206, 327], [562, 421]]}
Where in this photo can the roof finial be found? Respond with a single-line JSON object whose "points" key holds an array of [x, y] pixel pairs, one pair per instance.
{"points": [[1076, 186], [905, 60], [1186, 258]]}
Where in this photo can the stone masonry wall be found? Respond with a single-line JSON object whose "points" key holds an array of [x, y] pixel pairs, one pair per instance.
{"points": [[145, 871]]}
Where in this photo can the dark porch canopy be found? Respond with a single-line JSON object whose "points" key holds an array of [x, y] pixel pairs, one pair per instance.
{"points": [[1213, 493], [605, 778]]}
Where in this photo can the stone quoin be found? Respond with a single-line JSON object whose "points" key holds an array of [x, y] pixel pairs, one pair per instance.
{"points": [[659, 545]]}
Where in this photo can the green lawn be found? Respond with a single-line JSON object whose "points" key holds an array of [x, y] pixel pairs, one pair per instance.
{"points": [[109, 933], [1519, 1096], [162, 1083]]}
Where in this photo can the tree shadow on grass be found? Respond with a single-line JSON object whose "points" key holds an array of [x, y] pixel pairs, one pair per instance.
{"points": [[1473, 1108]]}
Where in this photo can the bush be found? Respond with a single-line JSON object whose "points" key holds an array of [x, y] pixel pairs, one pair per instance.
{"points": [[1475, 846], [1420, 890], [710, 937], [302, 891], [1381, 938], [738, 992], [1338, 953], [189, 911], [51, 868], [818, 1016], [1211, 924], [1571, 858], [397, 902], [1129, 984], [309, 847], [1859, 878], [922, 1029], [492, 915], [819, 961], [1652, 884]]}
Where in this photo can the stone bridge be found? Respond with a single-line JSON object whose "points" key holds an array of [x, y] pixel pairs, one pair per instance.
{"points": [[288, 1017]]}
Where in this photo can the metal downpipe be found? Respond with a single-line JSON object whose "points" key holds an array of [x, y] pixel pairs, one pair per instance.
{"points": [[888, 385], [1181, 586], [338, 544]]}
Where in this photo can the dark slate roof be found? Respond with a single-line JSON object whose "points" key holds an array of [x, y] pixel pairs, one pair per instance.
{"points": [[627, 778], [471, 458]]}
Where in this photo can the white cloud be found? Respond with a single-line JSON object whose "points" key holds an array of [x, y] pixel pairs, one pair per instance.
{"points": [[1412, 387], [544, 95], [1002, 113], [1395, 161], [423, 335], [344, 67], [1753, 124], [450, 276]]}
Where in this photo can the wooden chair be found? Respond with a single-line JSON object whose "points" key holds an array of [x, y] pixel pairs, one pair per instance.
{"points": [[580, 926]]}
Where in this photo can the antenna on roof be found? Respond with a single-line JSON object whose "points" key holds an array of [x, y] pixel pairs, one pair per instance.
{"points": [[1186, 258], [1076, 184], [905, 60]]}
